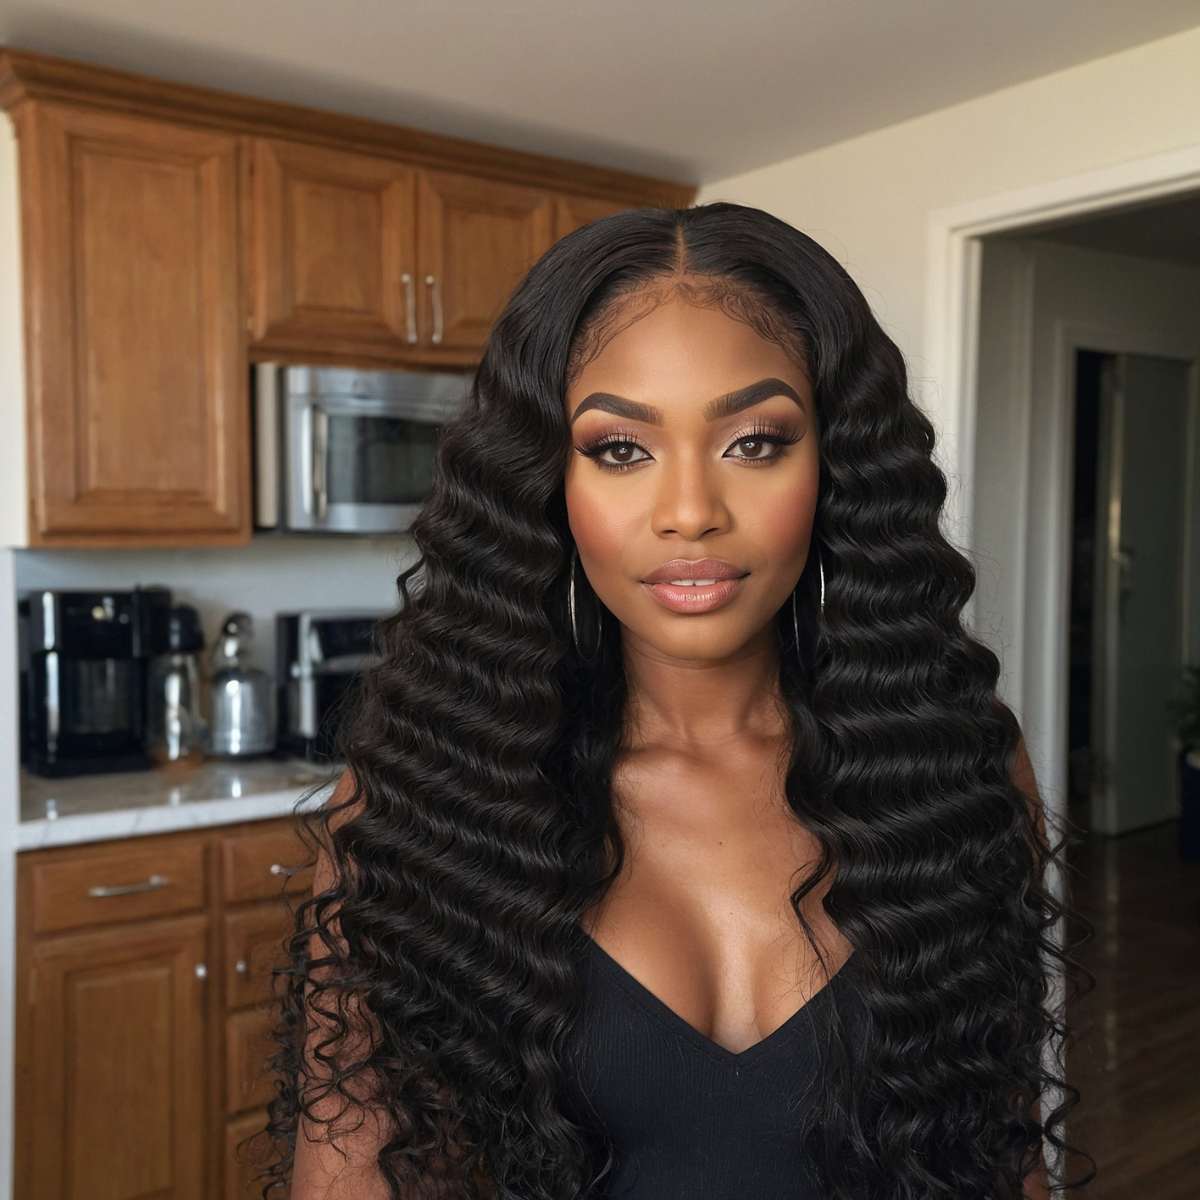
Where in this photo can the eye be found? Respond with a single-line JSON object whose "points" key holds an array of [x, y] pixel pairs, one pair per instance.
{"points": [[766, 435], [619, 441], [624, 443]]}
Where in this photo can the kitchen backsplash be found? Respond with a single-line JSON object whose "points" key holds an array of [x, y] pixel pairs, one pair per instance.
{"points": [[273, 574]]}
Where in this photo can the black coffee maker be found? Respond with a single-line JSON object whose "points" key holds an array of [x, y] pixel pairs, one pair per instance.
{"points": [[84, 662]]}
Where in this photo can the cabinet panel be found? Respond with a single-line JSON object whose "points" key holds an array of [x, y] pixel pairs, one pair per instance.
{"points": [[87, 887], [477, 238], [570, 212], [245, 1155], [253, 946], [117, 1069], [139, 421], [262, 864], [332, 249], [248, 1045]]}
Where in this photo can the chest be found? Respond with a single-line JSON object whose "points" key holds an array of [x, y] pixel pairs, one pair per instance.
{"points": [[685, 1115], [699, 921]]}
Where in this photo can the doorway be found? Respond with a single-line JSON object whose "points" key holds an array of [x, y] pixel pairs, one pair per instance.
{"points": [[1128, 636], [1082, 515]]}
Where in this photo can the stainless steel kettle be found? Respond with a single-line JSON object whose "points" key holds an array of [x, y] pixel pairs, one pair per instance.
{"points": [[242, 721]]}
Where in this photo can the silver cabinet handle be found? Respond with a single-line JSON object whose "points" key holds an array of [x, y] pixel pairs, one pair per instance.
{"points": [[432, 282], [320, 478], [128, 889], [410, 306], [240, 967], [201, 971], [277, 869]]}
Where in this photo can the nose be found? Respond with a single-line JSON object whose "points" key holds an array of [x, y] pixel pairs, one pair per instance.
{"points": [[689, 501]]}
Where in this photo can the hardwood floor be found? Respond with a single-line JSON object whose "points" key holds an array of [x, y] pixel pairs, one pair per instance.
{"points": [[1134, 1051]]}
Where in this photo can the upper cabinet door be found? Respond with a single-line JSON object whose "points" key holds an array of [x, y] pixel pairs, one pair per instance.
{"points": [[332, 237], [573, 211], [477, 238], [138, 424]]}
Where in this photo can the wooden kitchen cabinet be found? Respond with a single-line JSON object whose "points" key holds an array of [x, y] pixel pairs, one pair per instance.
{"points": [[171, 235], [116, 1086], [570, 212], [332, 249], [476, 238], [138, 420], [354, 253], [244, 1158], [144, 1010]]}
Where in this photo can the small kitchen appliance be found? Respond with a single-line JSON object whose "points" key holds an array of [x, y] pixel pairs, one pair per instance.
{"points": [[320, 654], [84, 658], [175, 727], [242, 720]]}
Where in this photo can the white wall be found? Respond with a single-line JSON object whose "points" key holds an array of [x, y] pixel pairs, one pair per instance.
{"points": [[868, 200], [871, 200], [1037, 296]]}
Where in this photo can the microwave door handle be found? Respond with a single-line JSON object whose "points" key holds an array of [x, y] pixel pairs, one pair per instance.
{"points": [[320, 452], [305, 471]]}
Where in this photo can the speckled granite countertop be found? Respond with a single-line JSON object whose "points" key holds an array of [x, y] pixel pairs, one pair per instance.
{"points": [[90, 808]]}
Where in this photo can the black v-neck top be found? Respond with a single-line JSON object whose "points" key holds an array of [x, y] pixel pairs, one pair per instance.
{"points": [[687, 1118]]}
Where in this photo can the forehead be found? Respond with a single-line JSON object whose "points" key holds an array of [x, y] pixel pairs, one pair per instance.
{"points": [[676, 348]]}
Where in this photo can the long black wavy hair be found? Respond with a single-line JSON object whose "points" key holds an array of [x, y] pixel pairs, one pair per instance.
{"points": [[435, 964]]}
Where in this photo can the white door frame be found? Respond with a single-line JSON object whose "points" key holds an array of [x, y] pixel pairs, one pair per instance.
{"points": [[954, 258], [953, 270]]}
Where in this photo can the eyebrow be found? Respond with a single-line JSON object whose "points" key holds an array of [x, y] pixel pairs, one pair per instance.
{"points": [[720, 406]]}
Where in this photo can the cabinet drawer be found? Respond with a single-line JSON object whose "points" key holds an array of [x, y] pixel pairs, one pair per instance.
{"points": [[130, 885], [248, 1045], [254, 944], [265, 863]]}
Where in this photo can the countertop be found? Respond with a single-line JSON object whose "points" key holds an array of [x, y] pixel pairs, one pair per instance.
{"points": [[90, 808]]}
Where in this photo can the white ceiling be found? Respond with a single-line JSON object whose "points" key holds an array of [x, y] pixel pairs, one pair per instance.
{"points": [[694, 90]]}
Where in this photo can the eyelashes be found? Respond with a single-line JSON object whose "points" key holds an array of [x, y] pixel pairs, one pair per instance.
{"points": [[764, 433]]}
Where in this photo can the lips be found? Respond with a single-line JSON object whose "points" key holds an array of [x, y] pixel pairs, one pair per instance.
{"points": [[708, 569]]}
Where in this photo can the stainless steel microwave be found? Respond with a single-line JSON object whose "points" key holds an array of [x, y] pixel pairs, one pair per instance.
{"points": [[339, 450]]}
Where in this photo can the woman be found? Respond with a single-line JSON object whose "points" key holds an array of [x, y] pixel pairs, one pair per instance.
{"points": [[684, 847]]}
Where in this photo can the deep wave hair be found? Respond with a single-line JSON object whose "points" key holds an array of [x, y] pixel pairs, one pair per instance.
{"points": [[433, 970]]}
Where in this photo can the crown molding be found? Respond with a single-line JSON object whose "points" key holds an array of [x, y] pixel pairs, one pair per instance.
{"points": [[27, 76]]}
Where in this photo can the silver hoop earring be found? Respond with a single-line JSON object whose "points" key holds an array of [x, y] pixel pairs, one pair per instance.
{"points": [[571, 611], [820, 604]]}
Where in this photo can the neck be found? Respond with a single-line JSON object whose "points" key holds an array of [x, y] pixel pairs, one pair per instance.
{"points": [[694, 704]]}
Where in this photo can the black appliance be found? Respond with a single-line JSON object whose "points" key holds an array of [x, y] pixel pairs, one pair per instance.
{"points": [[84, 658], [320, 654]]}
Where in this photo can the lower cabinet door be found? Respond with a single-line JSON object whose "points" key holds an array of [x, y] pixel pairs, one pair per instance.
{"points": [[246, 1153], [113, 1099], [248, 1044]]}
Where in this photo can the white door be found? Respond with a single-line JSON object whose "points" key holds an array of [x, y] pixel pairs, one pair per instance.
{"points": [[1139, 588]]}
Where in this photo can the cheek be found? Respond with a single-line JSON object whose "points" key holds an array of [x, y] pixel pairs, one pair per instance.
{"points": [[599, 523], [784, 520]]}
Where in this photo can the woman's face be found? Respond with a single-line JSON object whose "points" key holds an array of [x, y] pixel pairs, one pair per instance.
{"points": [[662, 469]]}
